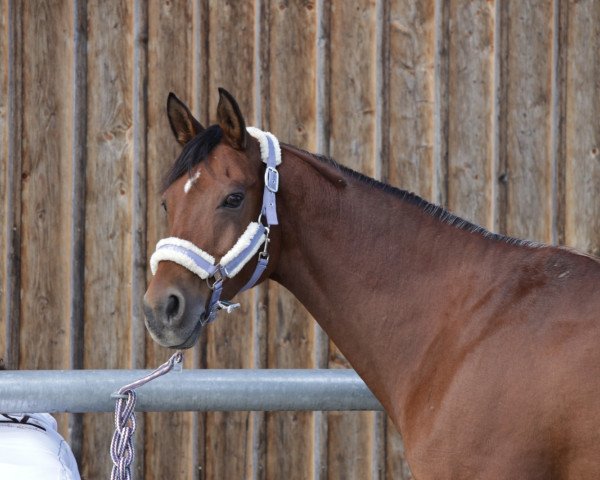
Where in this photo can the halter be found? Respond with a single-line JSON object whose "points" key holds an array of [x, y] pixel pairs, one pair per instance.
{"points": [[201, 263]]}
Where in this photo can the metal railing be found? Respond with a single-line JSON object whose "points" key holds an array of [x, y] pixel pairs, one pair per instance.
{"points": [[80, 391]]}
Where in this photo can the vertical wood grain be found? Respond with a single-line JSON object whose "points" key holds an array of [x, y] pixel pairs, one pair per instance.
{"points": [[170, 62], [289, 434], [291, 115], [355, 62], [528, 107], [498, 177], [46, 207], [139, 182], [323, 94], [411, 91], [107, 336], [582, 169], [255, 468], [470, 57], [12, 204], [199, 106], [5, 96], [439, 180], [231, 54], [396, 466], [229, 436], [557, 120], [46, 188], [139, 209], [487, 107], [77, 260]]}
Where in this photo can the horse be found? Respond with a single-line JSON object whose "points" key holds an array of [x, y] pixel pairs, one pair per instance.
{"points": [[483, 349]]}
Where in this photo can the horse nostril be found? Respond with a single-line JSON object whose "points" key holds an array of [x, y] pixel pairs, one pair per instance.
{"points": [[172, 309]]}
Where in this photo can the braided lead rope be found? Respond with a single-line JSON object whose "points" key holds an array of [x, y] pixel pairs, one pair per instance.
{"points": [[121, 445]]}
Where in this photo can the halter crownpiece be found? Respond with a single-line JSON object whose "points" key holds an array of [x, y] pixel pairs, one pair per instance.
{"points": [[201, 263]]}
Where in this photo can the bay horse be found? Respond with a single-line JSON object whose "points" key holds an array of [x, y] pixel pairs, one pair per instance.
{"points": [[483, 349]]}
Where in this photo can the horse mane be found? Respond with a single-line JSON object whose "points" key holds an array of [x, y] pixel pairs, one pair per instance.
{"points": [[198, 148], [194, 151], [436, 211]]}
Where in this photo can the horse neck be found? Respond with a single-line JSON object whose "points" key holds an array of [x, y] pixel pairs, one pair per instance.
{"points": [[367, 264]]}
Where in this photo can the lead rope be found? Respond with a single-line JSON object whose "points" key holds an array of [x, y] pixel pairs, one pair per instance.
{"points": [[121, 445]]}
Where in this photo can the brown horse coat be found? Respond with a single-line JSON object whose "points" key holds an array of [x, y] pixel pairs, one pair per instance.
{"points": [[484, 350]]}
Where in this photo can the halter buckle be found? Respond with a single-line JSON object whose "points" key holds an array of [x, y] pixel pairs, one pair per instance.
{"points": [[272, 179]]}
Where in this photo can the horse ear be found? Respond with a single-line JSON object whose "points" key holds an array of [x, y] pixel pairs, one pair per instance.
{"points": [[231, 120], [184, 125]]}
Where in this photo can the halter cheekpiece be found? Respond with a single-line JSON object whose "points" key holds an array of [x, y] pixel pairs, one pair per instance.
{"points": [[201, 263]]}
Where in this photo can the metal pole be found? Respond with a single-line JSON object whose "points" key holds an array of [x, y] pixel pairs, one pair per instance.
{"points": [[79, 391]]}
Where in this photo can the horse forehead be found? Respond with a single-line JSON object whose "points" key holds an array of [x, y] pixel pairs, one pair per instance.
{"points": [[225, 163]]}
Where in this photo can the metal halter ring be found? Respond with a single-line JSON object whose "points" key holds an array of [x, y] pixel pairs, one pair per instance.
{"points": [[218, 276], [264, 253]]}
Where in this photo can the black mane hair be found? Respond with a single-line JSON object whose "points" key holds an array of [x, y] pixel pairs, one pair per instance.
{"points": [[193, 153], [432, 209]]}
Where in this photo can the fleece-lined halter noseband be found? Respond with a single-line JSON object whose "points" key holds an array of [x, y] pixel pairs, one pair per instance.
{"points": [[201, 263]]}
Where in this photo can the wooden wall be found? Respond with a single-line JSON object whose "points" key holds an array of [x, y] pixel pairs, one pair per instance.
{"points": [[487, 107]]}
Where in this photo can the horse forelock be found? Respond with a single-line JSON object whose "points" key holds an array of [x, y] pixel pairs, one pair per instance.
{"points": [[196, 150]]}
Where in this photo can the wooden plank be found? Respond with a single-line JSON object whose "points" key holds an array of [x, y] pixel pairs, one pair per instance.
{"points": [[355, 63], [4, 182], [321, 340], [470, 109], [139, 210], [12, 207], [528, 110], [200, 107], [170, 49], [396, 466], [108, 210], [231, 58], [412, 45], [484, 106], [289, 434], [582, 170], [291, 115], [77, 241], [46, 189], [439, 188], [557, 118], [258, 425], [139, 182], [230, 436], [353, 78], [412, 38], [498, 176]]}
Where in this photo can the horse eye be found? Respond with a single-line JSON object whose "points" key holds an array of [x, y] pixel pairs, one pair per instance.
{"points": [[164, 205], [234, 200]]}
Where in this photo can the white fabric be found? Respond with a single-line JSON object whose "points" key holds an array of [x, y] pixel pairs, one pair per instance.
{"points": [[182, 259], [179, 257], [29, 453], [264, 145], [242, 243]]}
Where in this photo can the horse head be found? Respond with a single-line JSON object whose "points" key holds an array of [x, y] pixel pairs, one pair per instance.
{"points": [[212, 197]]}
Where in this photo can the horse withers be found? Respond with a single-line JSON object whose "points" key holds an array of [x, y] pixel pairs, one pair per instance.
{"points": [[483, 349]]}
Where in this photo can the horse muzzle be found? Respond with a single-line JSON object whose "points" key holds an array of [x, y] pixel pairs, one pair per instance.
{"points": [[174, 317]]}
